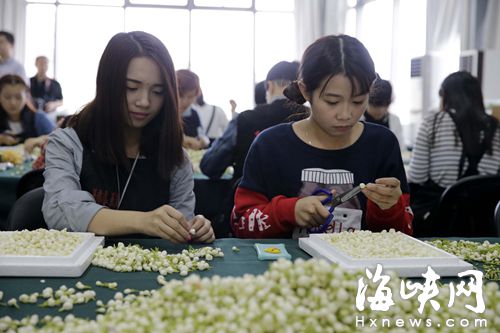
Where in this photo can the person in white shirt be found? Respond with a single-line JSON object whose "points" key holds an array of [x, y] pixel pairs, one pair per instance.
{"points": [[188, 85], [213, 119]]}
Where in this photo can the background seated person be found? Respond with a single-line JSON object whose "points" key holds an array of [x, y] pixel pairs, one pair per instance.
{"points": [[213, 119], [19, 122], [233, 146], [377, 112], [458, 141], [188, 85]]}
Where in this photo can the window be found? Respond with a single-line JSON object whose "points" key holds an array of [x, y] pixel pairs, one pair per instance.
{"points": [[224, 3], [269, 49], [275, 5], [376, 34], [226, 42], [160, 2], [41, 31], [171, 26], [224, 61], [79, 48], [93, 2]]}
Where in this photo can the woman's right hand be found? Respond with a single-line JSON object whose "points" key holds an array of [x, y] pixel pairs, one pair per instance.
{"points": [[168, 223], [310, 212]]}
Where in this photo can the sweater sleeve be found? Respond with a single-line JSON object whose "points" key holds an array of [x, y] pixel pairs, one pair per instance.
{"points": [[254, 216], [258, 213], [181, 189], [398, 217], [65, 204]]}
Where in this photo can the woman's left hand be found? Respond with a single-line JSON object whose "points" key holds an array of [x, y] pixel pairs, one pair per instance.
{"points": [[31, 143], [201, 230], [385, 192]]}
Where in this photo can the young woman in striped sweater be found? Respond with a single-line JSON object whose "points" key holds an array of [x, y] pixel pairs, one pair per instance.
{"points": [[458, 141]]}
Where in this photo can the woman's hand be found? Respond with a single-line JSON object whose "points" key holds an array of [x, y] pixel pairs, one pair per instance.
{"points": [[310, 212], [168, 223], [31, 143], [193, 143], [385, 192], [201, 230], [8, 140]]}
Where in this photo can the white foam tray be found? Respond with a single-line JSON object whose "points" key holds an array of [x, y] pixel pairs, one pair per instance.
{"points": [[445, 265], [61, 266]]}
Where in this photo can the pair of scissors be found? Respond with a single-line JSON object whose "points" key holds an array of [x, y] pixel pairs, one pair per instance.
{"points": [[334, 201]]}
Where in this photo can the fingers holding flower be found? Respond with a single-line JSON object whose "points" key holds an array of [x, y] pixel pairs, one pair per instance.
{"points": [[201, 229], [385, 192]]}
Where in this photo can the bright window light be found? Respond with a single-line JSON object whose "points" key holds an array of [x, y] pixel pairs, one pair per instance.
{"points": [[44, 1], [218, 44], [79, 48], [409, 43], [224, 3], [39, 36], [350, 22], [270, 49], [275, 5], [160, 2], [93, 2], [413, 21], [222, 56], [171, 26], [376, 34]]}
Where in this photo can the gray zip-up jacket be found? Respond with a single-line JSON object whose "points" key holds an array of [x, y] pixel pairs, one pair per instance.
{"points": [[66, 205]]}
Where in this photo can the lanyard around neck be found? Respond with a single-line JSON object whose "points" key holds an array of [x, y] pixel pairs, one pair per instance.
{"points": [[121, 195]]}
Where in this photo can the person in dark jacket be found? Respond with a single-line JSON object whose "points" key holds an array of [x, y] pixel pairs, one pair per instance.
{"points": [[231, 149]]}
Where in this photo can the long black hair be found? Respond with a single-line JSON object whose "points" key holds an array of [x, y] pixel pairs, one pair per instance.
{"points": [[100, 124], [462, 98], [329, 56]]}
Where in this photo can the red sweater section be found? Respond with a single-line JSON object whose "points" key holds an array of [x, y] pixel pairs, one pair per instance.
{"points": [[398, 217], [254, 216]]}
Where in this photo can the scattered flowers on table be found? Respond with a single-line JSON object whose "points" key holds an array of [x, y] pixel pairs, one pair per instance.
{"points": [[109, 285], [65, 297], [485, 252], [130, 258]]}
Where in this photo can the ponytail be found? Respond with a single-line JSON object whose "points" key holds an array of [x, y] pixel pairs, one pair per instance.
{"points": [[293, 93]]}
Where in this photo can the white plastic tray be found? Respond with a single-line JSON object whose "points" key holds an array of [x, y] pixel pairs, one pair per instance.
{"points": [[444, 264], [63, 266]]}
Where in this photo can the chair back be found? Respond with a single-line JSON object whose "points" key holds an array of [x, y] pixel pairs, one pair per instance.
{"points": [[211, 197], [30, 180], [26, 213], [466, 208], [497, 217]]}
